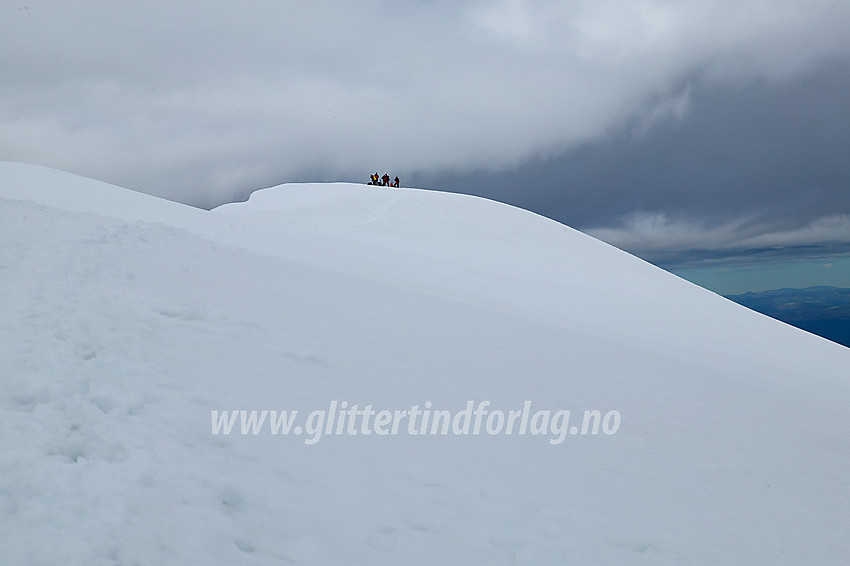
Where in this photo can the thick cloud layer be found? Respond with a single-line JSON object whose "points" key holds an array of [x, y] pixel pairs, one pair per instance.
{"points": [[744, 168], [617, 110]]}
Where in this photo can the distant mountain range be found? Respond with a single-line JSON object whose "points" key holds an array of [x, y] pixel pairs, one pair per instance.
{"points": [[824, 311]]}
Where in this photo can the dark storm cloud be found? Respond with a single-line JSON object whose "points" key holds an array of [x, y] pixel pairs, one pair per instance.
{"points": [[758, 170], [749, 164]]}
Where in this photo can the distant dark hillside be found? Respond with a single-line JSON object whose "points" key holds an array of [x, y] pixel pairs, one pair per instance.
{"points": [[824, 311]]}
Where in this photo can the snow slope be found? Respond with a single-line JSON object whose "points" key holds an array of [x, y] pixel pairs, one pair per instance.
{"points": [[127, 319]]}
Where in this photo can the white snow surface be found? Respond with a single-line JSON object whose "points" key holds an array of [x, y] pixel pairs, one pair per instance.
{"points": [[126, 319]]}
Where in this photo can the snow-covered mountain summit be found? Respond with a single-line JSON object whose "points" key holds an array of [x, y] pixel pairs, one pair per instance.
{"points": [[130, 324]]}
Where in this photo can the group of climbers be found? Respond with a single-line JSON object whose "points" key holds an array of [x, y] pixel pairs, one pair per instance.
{"points": [[383, 181]]}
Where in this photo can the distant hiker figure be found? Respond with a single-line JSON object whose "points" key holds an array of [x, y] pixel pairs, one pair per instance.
{"points": [[385, 180], [373, 179], [395, 183]]}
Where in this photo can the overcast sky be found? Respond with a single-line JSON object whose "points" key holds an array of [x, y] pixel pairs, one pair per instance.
{"points": [[677, 130]]}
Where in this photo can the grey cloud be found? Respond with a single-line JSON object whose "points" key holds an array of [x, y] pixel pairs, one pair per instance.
{"points": [[585, 111], [710, 165]]}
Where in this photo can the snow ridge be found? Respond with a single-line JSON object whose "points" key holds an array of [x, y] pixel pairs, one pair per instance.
{"points": [[128, 319]]}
